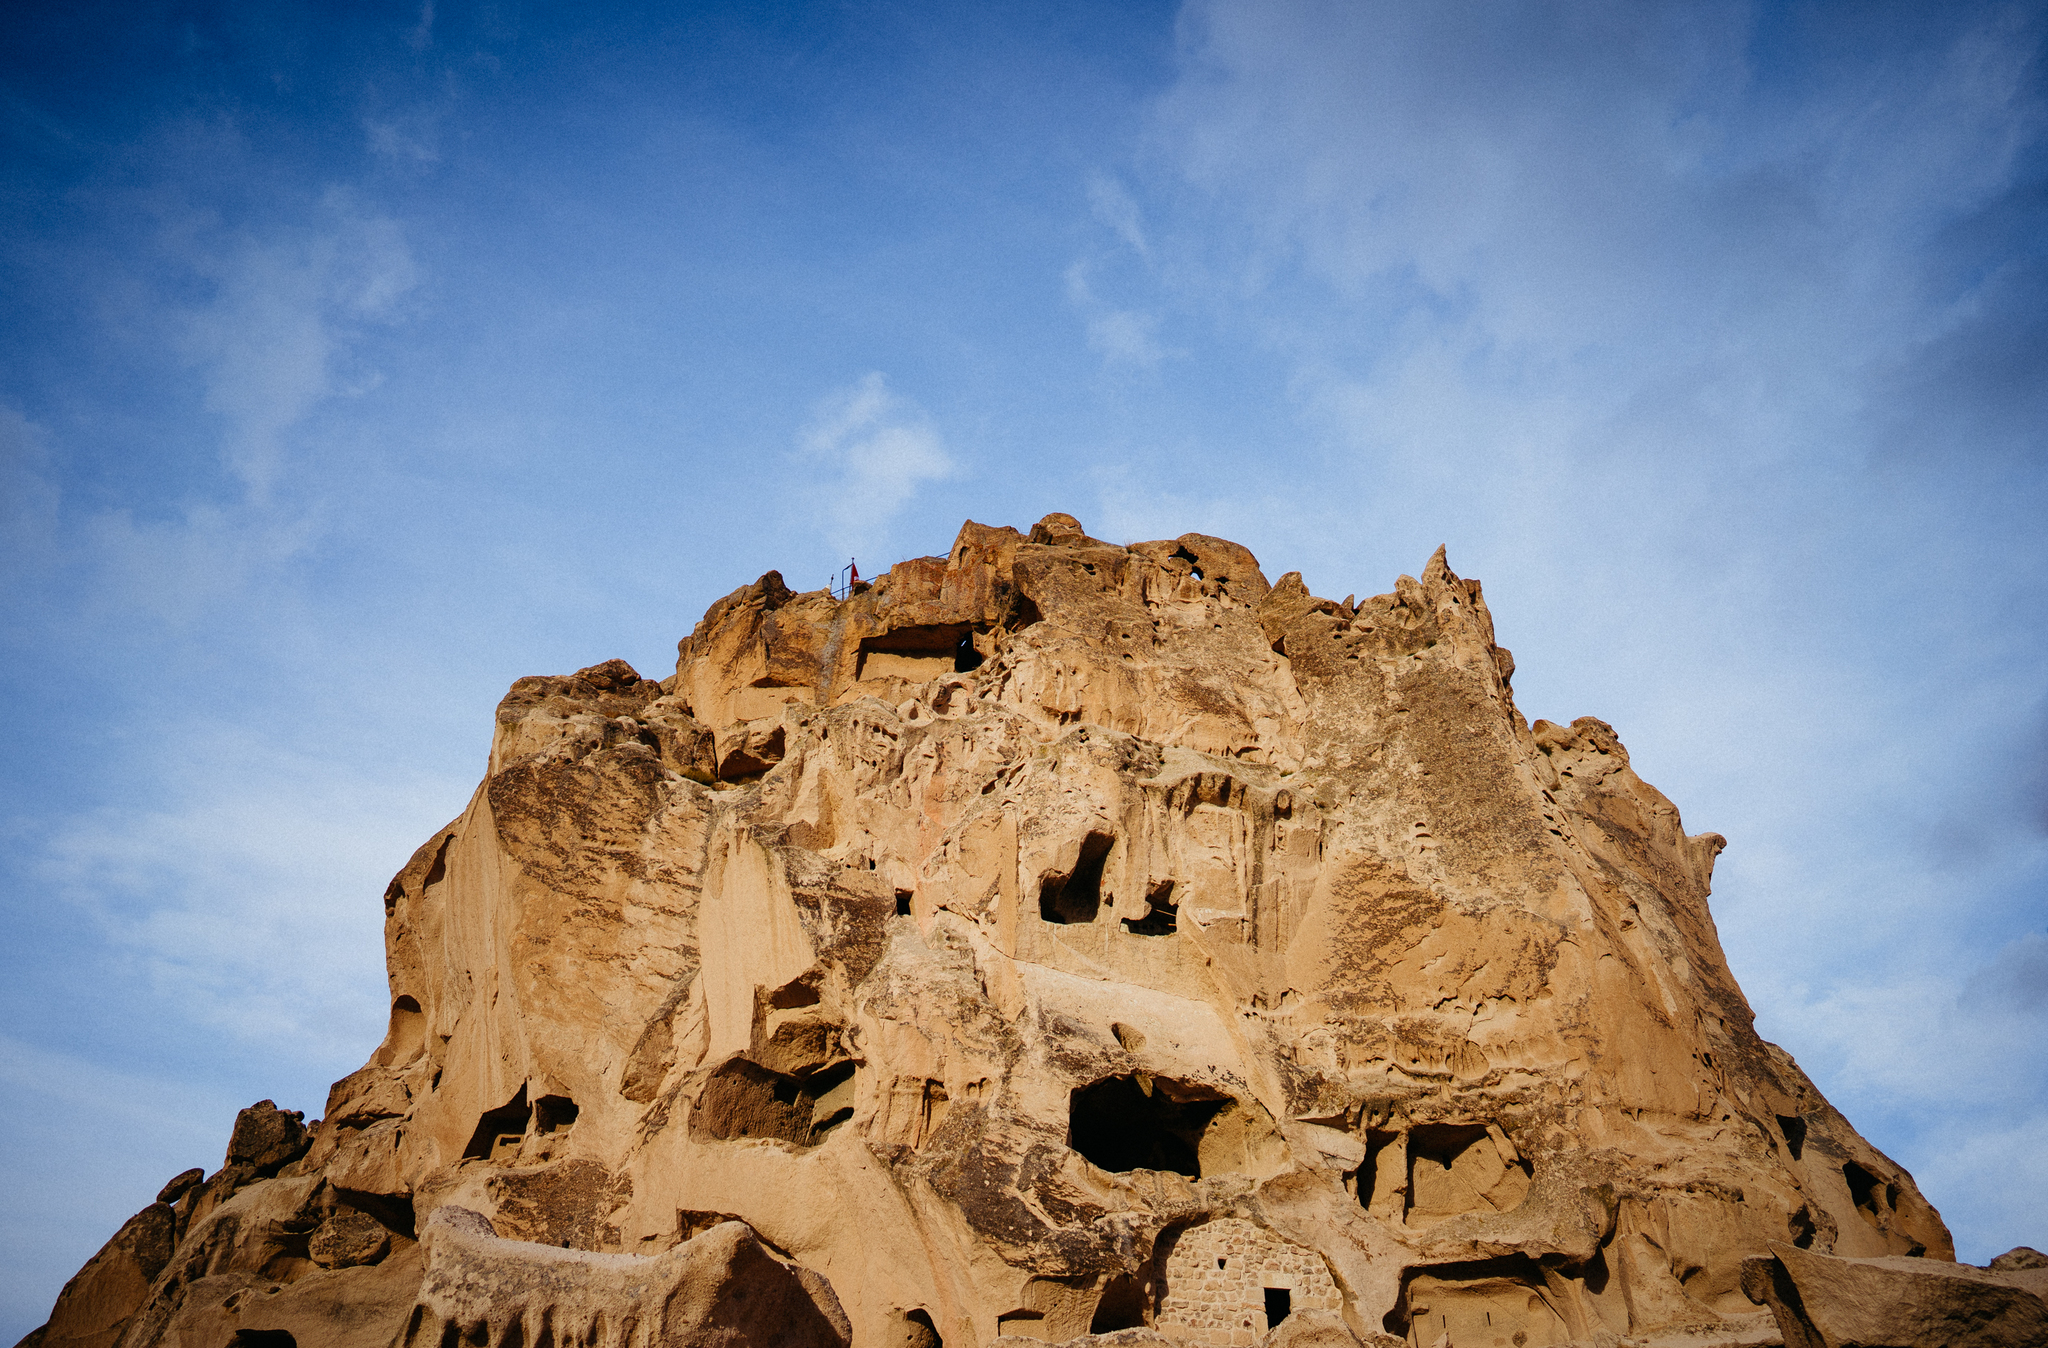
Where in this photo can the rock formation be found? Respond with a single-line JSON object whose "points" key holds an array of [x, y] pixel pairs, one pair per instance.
{"points": [[1050, 939]]}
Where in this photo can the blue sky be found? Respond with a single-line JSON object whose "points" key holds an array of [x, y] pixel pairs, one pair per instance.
{"points": [[355, 361]]}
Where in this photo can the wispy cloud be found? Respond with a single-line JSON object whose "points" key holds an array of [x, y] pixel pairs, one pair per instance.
{"points": [[866, 452], [274, 340], [244, 897], [1121, 336], [1717, 364], [1114, 206], [422, 35]]}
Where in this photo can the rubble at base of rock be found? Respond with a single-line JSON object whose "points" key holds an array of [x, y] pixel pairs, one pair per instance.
{"points": [[1055, 942]]}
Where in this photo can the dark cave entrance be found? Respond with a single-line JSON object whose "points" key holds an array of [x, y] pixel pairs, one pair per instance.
{"points": [[1076, 897], [507, 1121], [1125, 1123]]}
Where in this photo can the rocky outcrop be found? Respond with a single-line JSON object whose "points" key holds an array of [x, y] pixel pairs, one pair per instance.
{"points": [[1823, 1302], [1051, 940], [719, 1287]]}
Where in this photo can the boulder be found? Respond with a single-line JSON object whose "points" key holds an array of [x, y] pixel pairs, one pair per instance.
{"points": [[1821, 1301], [267, 1138], [347, 1239], [720, 1287], [180, 1184]]}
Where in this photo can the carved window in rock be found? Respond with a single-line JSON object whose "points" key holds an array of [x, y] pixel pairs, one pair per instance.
{"points": [[553, 1113], [499, 1131], [1454, 1169], [1162, 919]]}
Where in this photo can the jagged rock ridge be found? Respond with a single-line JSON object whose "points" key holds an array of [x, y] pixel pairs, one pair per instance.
{"points": [[1049, 939]]}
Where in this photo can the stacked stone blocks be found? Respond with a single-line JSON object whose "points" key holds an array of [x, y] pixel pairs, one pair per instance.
{"points": [[1216, 1279]]}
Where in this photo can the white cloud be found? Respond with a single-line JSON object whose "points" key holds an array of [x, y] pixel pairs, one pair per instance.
{"points": [[1114, 206], [275, 340], [866, 453], [1581, 292], [1121, 336], [422, 35], [245, 893]]}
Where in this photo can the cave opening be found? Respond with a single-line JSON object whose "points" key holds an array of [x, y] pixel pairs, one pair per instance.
{"points": [[1279, 1302], [1368, 1172], [918, 1331], [746, 1100], [552, 1113], [1162, 919], [1122, 1306], [1867, 1190], [1076, 897], [507, 1120], [1794, 1129], [1129, 1122]]}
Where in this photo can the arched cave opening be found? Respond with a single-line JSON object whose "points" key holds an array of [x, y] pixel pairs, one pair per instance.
{"points": [[1076, 897], [1133, 1122], [966, 659], [406, 1036], [508, 1120], [916, 1330]]}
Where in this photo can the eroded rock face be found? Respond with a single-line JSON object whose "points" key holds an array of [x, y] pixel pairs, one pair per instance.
{"points": [[1015, 938]]}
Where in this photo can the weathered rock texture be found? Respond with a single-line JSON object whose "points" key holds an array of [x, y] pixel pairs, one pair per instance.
{"points": [[1050, 939]]}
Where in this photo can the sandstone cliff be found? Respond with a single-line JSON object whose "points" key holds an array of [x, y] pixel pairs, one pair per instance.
{"points": [[1051, 938]]}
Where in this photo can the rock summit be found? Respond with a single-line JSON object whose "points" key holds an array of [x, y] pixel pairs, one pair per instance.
{"points": [[1054, 940]]}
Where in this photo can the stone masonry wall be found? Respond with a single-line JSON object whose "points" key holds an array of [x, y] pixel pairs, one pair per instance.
{"points": [[1216, 1278]]}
